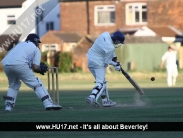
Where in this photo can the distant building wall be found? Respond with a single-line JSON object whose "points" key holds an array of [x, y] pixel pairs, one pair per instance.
{"points": [[4, 13], [50, 16], [160, 12], [165, 13], [74, 17]]}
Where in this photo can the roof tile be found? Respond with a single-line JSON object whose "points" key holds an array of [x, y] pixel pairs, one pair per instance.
{"points": [[13, 3]]}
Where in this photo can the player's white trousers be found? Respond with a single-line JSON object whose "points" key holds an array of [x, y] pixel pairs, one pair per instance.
{"points": [[15, 73], [22, 72], [172, 73], [99, 74]]}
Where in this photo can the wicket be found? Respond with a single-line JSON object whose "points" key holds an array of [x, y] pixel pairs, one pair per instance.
{"points": [[53, 89]]}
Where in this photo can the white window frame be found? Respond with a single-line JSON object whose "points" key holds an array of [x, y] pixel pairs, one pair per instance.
{"points": [[133, 22], [50, 47], [103, 8], [11, 17]]}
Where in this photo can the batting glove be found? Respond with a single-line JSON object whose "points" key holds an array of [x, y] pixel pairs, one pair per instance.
{"points": [[118, 66]]}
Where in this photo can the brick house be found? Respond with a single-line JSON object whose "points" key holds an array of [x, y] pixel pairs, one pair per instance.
{"points": [[79, 52], [59, 41], [95, 16], [92, 17], [7, 44], [55, 42]]}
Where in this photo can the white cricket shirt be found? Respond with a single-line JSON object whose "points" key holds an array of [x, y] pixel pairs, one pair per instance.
{"points": [[24, 52], [170, 58], [102, 51]]}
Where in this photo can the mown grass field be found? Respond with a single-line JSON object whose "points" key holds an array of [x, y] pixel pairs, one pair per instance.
{"points": [[159, 104]]}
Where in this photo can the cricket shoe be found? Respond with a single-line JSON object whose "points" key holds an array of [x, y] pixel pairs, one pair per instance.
{"points": [[53, 107], [50, 105], [92, 101], [9, 106], [108, 103]]}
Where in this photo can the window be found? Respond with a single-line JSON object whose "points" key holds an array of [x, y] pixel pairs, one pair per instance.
{"points": [[49, 47], [105, 15], [49, 26], [11, 19], [136, 13]]}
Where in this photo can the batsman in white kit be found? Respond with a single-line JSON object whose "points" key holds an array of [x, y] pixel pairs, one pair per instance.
{"points": [[19, 64], [171, 67], [100, 55]]}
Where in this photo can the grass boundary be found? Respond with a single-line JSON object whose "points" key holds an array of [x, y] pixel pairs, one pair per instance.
{"points": [[72, 81]]}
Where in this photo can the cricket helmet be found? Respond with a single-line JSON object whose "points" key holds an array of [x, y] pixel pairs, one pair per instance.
{"points": [[33, 38], [118, 37]]}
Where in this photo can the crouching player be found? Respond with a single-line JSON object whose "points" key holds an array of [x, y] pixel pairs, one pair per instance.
{"points": [[100, 55], [19, 64]]}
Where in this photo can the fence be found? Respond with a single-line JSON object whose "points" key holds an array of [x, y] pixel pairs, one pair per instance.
{"points": [[141, 57]]}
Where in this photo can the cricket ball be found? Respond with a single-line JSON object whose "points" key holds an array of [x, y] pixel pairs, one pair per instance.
{"points": [[152, 78]]}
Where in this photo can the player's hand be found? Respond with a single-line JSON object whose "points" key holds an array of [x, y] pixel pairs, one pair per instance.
{"points": [[115, 59], [43, 68], [118, 66]]}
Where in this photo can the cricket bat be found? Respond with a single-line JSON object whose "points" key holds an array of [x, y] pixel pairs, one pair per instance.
{"points": [[132, 81]]}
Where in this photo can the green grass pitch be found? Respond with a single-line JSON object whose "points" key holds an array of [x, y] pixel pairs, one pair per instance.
{"points": [[156, 105]]}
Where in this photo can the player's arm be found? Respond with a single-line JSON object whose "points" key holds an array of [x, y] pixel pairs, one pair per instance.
{"points": [[36, 65], [162, 63], [163, 60], [36, 61], [42, 68], [115, 63], [36, 68], [114, 60], [108, 57], [174, 47]]}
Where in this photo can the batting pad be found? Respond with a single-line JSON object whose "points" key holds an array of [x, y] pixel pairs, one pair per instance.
{"points": [[97, 90], [105, 91], [13, 94], [40, 90]]}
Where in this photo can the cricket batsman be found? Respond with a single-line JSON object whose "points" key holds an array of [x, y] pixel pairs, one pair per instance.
{"points": [[100, 55], [19, 64]]}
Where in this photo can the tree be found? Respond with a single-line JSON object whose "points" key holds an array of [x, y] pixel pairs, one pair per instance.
{"points": [[65, 62]]}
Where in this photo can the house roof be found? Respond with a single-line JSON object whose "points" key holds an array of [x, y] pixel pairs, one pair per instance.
{"points": [[142, 39], [91, 38], [12, 4], [132, 39], [62, 36], [128, 30], [5, 39], [82, 0], [68, 37], [165, 31]]}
